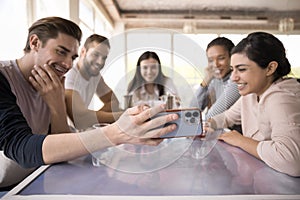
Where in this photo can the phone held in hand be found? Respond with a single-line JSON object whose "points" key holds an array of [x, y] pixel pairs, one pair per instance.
{"points": [[189, 123]]}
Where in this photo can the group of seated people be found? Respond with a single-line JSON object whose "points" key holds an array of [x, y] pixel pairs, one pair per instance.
{"points": [[149, 84], [244, 85]]}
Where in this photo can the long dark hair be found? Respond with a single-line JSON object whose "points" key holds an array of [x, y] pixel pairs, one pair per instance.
{"points": [[263, 48], [138, 81]]}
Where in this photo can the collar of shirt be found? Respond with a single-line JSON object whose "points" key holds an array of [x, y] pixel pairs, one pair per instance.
{"points": [[146, 96], [227, 77]]}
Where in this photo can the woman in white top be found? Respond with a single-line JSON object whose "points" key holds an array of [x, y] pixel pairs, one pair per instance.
{"points": [[149, 83]]}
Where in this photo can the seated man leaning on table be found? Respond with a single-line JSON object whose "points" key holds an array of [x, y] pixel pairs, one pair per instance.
{"points": [[84, 80], [33, 119], [269, 108]]}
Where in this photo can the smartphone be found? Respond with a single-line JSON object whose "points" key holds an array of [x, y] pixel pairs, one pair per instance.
{"points": [[189, 123]]}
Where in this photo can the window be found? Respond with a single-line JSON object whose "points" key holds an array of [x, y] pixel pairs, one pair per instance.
{"points": [[86, 14], [45, 8], [91, 21], [291, 44], [14, 32]]}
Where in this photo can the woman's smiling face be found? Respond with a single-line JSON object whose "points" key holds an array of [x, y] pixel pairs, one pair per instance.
{"points": [[249, 77], [149, 69], [219, 59]]}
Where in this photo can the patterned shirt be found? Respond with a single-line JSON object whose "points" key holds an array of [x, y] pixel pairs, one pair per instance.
{"points": [[220, 93]]}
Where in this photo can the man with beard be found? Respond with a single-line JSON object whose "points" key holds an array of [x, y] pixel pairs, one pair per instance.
{"points": [[84, 80]]}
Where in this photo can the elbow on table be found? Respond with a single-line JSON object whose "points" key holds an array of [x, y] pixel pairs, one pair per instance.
{"points": [[22, 162], [295, 173], [291, 169], [283, 157]]}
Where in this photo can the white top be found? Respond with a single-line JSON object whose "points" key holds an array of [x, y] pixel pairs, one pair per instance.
{"points": [[141, 94], [85, 88]]}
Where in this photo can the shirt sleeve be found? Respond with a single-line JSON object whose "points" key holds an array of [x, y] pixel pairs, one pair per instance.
{"points": [[225, 101], [16, 138], [282, 151], [229, 117], [200, 99]]}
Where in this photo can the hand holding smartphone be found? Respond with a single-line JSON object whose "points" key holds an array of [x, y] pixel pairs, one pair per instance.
{"points": [[189, 123]]}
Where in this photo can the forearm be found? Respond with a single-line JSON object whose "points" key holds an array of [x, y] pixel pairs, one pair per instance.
{"points": [[108, 117], [112, 106], [131, 128], [59, 123], [110, 100], [249, 145], [84, 119], [218, 121], [234, 138], [63, 147]]}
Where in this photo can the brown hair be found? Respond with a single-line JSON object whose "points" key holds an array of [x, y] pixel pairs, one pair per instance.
{"points": [[49, 28], [96, 38]]}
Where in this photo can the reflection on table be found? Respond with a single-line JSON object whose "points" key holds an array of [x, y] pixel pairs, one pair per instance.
{"points": [[225, 170]]}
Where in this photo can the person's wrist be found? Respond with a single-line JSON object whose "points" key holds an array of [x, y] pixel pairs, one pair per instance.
{"points": [[206, 81], [58, 112], [203, 84], [113, 133], [212, 123]]}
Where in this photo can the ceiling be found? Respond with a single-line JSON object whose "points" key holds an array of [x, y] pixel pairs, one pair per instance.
{"points": [[194, 16]]}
